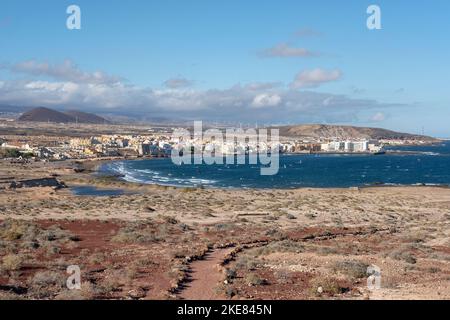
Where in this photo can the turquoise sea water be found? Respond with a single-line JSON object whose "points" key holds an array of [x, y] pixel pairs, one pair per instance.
{"points": [[428, 165]]}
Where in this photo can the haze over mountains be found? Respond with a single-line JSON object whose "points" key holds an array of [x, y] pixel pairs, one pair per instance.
{"points": [[42, 114]]}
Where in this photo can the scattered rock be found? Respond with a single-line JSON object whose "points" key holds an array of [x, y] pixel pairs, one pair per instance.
{"points": [[137, 293]]}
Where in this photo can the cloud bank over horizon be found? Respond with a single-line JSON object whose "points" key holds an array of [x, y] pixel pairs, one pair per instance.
{"points": [[67, 86]]}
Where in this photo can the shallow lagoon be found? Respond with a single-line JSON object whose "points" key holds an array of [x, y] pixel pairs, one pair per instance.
{"points": [[96, 192]]}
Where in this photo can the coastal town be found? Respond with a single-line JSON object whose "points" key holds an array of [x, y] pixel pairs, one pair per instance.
{"points": [[161, 145], [44, 134]]}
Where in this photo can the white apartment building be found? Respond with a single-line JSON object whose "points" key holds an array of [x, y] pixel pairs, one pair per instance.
{"points": [[347, 146]]}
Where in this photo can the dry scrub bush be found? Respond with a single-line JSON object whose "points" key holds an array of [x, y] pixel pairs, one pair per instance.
{"points": [[353, 269], [326, 286], [87, 292], [12, 262], [253, 279], [134, 234], [46, 284]]}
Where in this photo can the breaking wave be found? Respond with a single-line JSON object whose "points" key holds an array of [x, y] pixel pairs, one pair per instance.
{"points": [[147, 176]]}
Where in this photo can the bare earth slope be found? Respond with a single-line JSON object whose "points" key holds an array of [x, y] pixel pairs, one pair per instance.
{"points": [[346, 132], [84, 117], [45, 115], [49, 115]]}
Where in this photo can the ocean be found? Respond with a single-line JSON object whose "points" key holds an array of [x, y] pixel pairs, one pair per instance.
{"points": [[428, 165]]}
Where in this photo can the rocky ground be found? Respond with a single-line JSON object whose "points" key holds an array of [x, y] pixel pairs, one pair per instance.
{"points": [[174, 243]]}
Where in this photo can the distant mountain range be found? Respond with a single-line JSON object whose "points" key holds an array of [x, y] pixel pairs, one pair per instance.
{"points": [[346, 132], [49, 115], [313, 131]]}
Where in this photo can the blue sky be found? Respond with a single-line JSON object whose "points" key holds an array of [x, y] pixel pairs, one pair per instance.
{"points": [[234, 60]]}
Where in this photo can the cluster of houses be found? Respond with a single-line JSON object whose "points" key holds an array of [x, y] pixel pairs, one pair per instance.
{"points": [[162, 145], [94, 147], [117, 145]]}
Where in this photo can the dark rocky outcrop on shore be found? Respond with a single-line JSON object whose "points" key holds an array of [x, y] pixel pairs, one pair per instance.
{"points": [[38, 183]]}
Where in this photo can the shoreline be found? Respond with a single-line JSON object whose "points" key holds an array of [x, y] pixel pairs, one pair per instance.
{"points": [[85, 172], [118, 177], [133, 185]]}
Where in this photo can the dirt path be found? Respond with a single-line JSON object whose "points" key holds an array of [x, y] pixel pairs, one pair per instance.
{"points": [[205, 276]]}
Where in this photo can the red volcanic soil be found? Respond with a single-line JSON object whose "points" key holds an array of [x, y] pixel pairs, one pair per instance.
{"points": [[93, 238], [92, 234]]}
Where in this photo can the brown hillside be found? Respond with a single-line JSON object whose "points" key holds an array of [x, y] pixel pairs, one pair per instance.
{"points": [[45, 115], [49, 115], [346, 132]]}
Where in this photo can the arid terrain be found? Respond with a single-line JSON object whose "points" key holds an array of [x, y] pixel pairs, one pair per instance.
{"points": [[158, 242]]}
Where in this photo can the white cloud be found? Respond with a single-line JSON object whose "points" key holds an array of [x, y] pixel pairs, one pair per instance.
{"points": [[315, 78], [378, 117], [273, 101], [235, 103], [66, 71], [266, 100], [256, 86], [283, 50]]}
